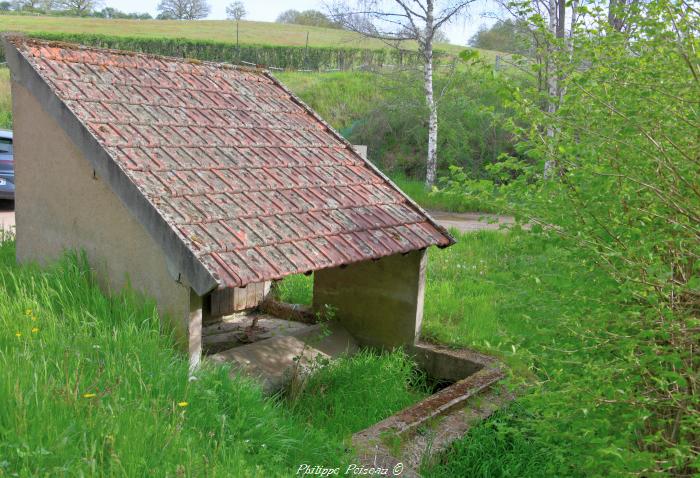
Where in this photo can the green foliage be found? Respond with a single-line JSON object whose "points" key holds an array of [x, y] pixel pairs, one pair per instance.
{"points": [[469, 135], [5, 99], [307, 17], [341, 398], [386, 111], [89, 384], [511, 36], [341, 98], [550, 313], [295, 289], [445, 199], [500, 447], [622, 153]]}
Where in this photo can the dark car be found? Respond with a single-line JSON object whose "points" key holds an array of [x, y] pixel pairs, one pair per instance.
{"points": [[7, 166]]}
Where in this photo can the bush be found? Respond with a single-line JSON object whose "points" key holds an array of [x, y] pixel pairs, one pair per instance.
{"points": [[285, 57], [621, 154]]}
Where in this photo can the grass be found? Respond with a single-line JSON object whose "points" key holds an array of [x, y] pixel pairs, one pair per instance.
{"points": [[90, 386], [250, 32], [96, 385], [534, 303], [438, 200], [340, 97], [5, 99]]}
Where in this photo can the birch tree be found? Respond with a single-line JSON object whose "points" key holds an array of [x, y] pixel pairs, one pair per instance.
{"points": [[550, 17], [399, 21]]}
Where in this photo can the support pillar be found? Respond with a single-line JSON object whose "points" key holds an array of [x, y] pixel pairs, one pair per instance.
{"points": [[379, 302], [194, 331]]}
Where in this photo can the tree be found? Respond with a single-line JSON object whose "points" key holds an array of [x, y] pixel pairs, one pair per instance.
{"points": [[26, 5], [509, 36], [313, 18], [618, 13], [287, 16], [624, 144], [441, 37], [5, 6], [78, 7], [183, 9], [396, 21], [109, 12], [236, 11]]}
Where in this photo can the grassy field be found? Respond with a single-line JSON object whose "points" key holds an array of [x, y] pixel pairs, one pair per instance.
{"points": [[88, 385], [222, 30], [529, 301]]}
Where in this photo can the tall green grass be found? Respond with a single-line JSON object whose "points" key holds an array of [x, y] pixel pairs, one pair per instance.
{"points": [[545, 312], [437, 199], [5, 99], [90, 386]]}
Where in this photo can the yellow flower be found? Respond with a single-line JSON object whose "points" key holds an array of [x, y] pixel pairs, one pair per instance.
{"points": [[28, 312], [18, 334], [35, 330], [182, 404], [33, 318], [89, 395]]}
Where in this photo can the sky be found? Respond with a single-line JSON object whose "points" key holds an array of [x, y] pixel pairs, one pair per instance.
{"points": [[480, 12]]}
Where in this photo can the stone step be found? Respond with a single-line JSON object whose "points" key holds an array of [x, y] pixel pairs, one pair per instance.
{"points": [[275, 361]]}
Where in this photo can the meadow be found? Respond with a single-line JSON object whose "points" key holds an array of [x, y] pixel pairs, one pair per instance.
{"points": [[249, 32], [88, 383]]}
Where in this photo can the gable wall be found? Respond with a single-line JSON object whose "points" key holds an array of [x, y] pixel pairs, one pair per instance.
{"points": [[60, 205]]}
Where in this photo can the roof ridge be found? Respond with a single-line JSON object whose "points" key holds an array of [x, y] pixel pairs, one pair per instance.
{"points": [[27, 40]]}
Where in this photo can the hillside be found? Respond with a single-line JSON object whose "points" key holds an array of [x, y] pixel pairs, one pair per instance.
{"points": [[221, 30]]}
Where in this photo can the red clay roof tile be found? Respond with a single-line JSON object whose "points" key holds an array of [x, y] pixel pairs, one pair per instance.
{"points": [[249, 178]]}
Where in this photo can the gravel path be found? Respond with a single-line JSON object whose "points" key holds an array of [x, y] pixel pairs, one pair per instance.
{"points": [[7, 215], [470, 221]]}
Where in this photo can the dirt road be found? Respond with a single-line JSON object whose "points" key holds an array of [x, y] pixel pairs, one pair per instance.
{"points": [[470, 221]]}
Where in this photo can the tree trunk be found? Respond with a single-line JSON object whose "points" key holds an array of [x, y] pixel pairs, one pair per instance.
{"points": [[552, 87], [431, 166], [431, 170]]}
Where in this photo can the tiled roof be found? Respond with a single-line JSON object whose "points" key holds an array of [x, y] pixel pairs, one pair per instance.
{"points": [[250, 179]]}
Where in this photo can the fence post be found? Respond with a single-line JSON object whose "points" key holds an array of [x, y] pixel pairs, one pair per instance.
{"points": [[238, 45]]}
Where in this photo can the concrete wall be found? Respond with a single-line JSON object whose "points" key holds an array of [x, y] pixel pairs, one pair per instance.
{"points": [[361, 149], [60, 205], [379, 302]]}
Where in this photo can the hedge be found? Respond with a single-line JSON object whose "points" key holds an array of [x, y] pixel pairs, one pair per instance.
{"points": [[285, 57]]}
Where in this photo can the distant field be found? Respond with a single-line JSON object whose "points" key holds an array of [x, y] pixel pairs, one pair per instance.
{"points": [[221, 30]]}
